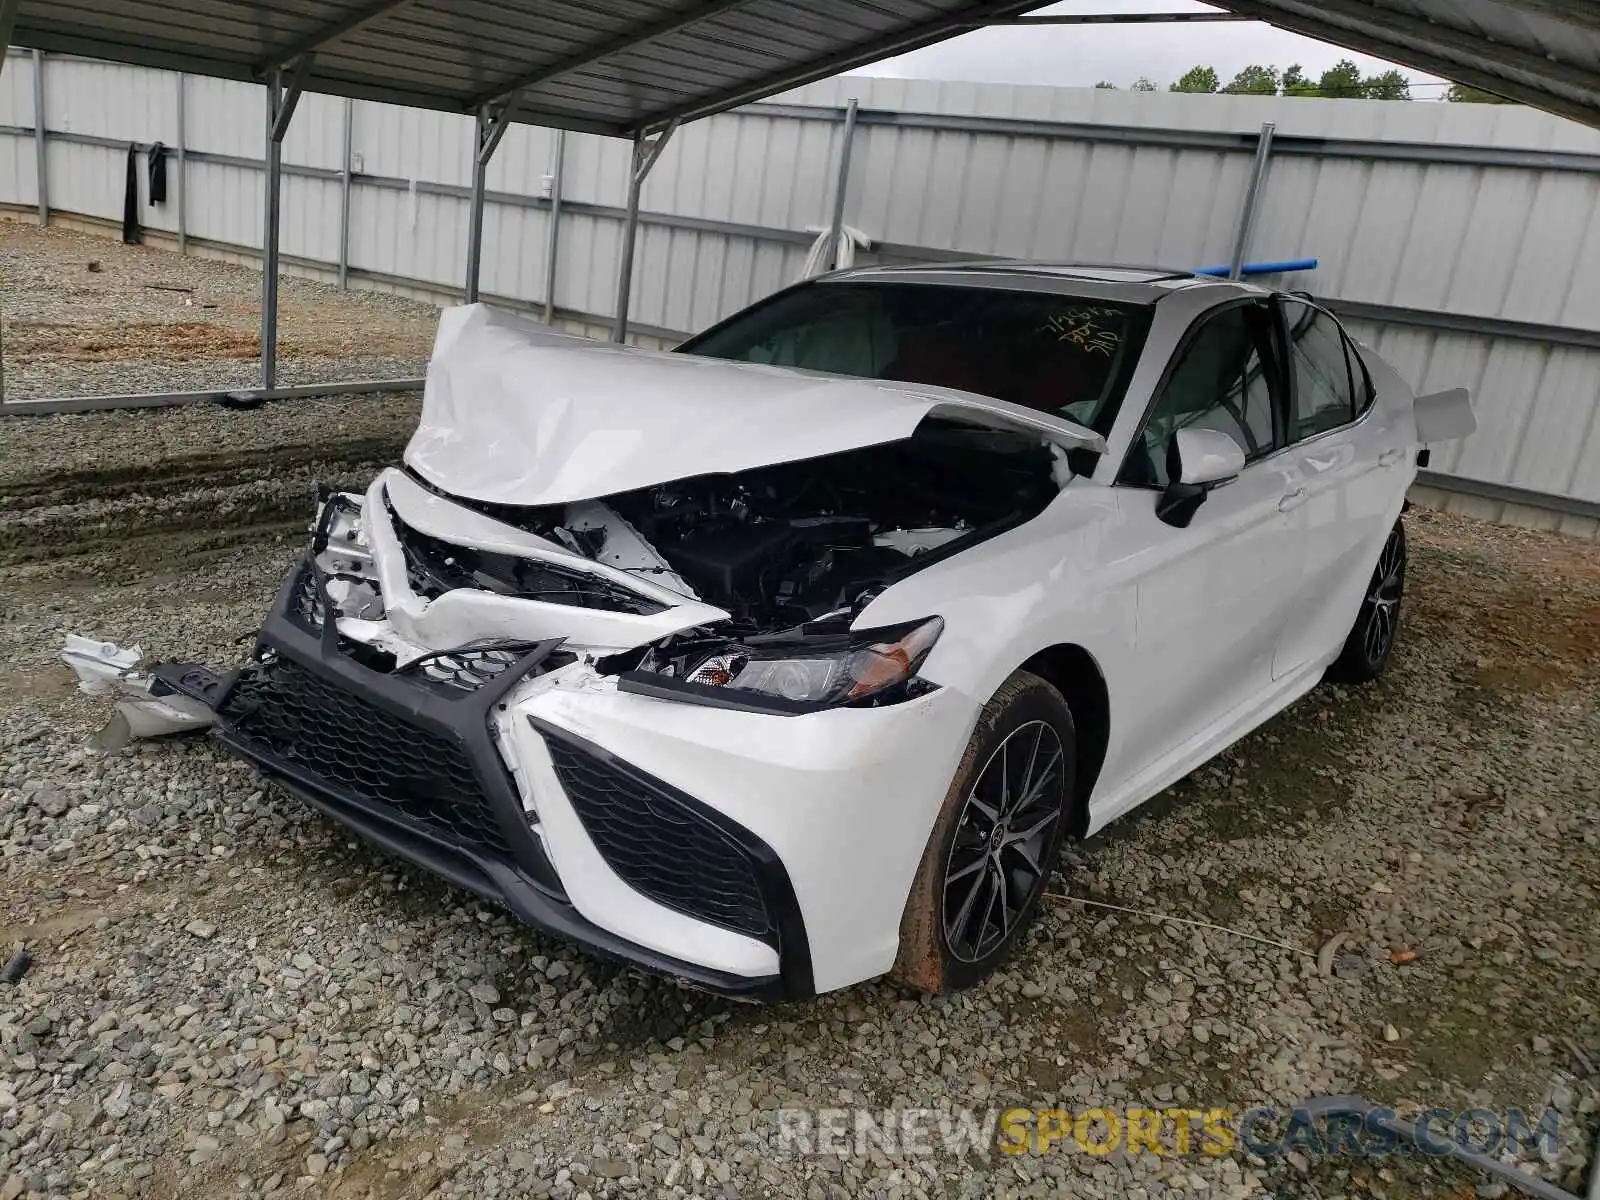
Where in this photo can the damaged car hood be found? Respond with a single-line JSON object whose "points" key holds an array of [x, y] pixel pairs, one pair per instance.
{"points": [[514, 413]]}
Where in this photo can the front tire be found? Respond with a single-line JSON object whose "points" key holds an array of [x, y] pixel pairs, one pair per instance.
{"points": [[1366, 651], [995, 843]]}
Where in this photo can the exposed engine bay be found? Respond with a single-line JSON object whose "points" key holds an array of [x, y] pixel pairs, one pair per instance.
{"points": [[776, 546]]}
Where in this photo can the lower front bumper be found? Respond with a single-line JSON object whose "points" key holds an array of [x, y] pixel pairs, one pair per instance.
{"points": [[412, 766]]}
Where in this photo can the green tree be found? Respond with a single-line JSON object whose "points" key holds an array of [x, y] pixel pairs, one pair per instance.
{"points": [[1254, 81], [1198, 79], [1295, 82], [1143, 84], [1460, 93], [1342, 81], [1391, 85], [1106, 85]]}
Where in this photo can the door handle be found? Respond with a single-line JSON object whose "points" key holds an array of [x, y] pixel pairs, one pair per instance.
{"points": [[1389, 457], [1293, 500]]}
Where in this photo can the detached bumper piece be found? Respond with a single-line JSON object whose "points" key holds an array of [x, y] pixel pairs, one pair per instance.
{"points": [[406, 758]]}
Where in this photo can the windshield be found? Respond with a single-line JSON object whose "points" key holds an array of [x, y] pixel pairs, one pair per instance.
{"points": [[1068, 356]]}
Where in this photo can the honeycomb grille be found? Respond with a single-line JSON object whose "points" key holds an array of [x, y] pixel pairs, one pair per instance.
{"points": [[468, 668], [659, 846], [283, 711]]}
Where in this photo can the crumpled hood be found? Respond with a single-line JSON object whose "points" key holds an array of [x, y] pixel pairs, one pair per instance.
{"points": [[515, 413]]}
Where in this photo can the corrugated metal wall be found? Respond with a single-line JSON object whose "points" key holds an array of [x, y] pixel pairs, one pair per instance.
{"points": [[1099, 176]]}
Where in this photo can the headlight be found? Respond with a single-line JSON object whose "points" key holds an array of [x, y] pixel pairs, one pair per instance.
{"points": [[801, 674]]}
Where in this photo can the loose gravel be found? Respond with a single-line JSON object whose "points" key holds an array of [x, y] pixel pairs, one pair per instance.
{"points": [[230, 997], [85, 315]]}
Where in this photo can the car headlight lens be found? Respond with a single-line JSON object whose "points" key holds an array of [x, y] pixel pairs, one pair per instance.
{"points": [[840, 671]]}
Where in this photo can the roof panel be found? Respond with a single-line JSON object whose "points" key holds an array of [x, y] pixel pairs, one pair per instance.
{"points": [[616, 66], [1541, 52]]}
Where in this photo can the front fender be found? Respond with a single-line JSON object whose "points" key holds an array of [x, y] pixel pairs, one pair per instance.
{"points": [[1048, 582]]}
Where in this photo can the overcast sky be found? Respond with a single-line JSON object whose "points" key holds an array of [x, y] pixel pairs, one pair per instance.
{"points": [[1083, 55]]}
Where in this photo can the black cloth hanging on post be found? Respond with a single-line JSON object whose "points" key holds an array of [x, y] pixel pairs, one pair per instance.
{"points": [[131, 233], [156, 157]]}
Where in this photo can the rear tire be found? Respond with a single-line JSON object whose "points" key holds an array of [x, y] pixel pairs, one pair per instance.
{"points": [[995, 842], [1366, 651]]}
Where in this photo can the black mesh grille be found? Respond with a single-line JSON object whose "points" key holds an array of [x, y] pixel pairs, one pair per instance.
{"points": [[659, 846], [467, 668], [287, 713]]}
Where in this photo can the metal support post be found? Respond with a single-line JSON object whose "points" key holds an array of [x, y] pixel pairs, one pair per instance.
{"points": [[281, 103], [344, 194], [552, 238], [1252, 200], [8, 21], [645, 153], [43, 184], [180, 155], [836, 226], [492, 127]]}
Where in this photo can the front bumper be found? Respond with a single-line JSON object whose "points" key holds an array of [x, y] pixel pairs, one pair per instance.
{"points": [[415, 766]]}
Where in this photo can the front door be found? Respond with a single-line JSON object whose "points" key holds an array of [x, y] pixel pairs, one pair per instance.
{"points": [[1212, 597]]}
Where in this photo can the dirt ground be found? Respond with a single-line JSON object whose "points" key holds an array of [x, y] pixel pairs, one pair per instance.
{"points": [[84, 314]]}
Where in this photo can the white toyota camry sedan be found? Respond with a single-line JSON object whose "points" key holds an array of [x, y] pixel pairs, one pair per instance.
{"points": [[790, 658]]}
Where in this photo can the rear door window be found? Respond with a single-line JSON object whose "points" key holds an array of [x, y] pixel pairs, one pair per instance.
{"points": [[1326, 395]]}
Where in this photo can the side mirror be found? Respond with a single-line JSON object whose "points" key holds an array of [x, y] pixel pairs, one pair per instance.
{"points": [[1198, 460], [1445, 416]]}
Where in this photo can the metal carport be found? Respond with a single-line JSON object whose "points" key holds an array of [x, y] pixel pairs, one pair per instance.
{"points": [[638, 68]]}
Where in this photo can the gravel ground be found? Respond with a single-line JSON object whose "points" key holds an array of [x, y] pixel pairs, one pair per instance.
{"points": [[86, 315], [231, 998]]}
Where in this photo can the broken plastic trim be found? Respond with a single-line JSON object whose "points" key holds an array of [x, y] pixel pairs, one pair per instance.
{"points": [[436, 567]]}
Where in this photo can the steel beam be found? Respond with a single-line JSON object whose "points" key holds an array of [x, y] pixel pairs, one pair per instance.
{"points": [[344, 195], [215, 68], [1561, 10], [1392, 24], [608, 48], [330, 32], [1507, 493], [181, 158], [1252, 200], [492, 127], [552, 241], [83, 404], [1314, 26], [1118, 19], [279, 110], [1199, 139], [41, 175], [289, 97], [645, 153], [841, 183], [832, 64], [281, 103]]}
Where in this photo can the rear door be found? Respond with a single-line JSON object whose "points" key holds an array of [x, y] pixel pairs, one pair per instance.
{"points": [[1212, 597], [1345, 458]]}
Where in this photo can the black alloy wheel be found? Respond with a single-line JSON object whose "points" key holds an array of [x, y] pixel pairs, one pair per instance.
{"points": [[996, 861], [1366, 652]]}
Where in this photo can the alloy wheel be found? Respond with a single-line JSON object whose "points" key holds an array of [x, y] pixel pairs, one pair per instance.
{"points": [[1381, 608], [997, 857]]}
